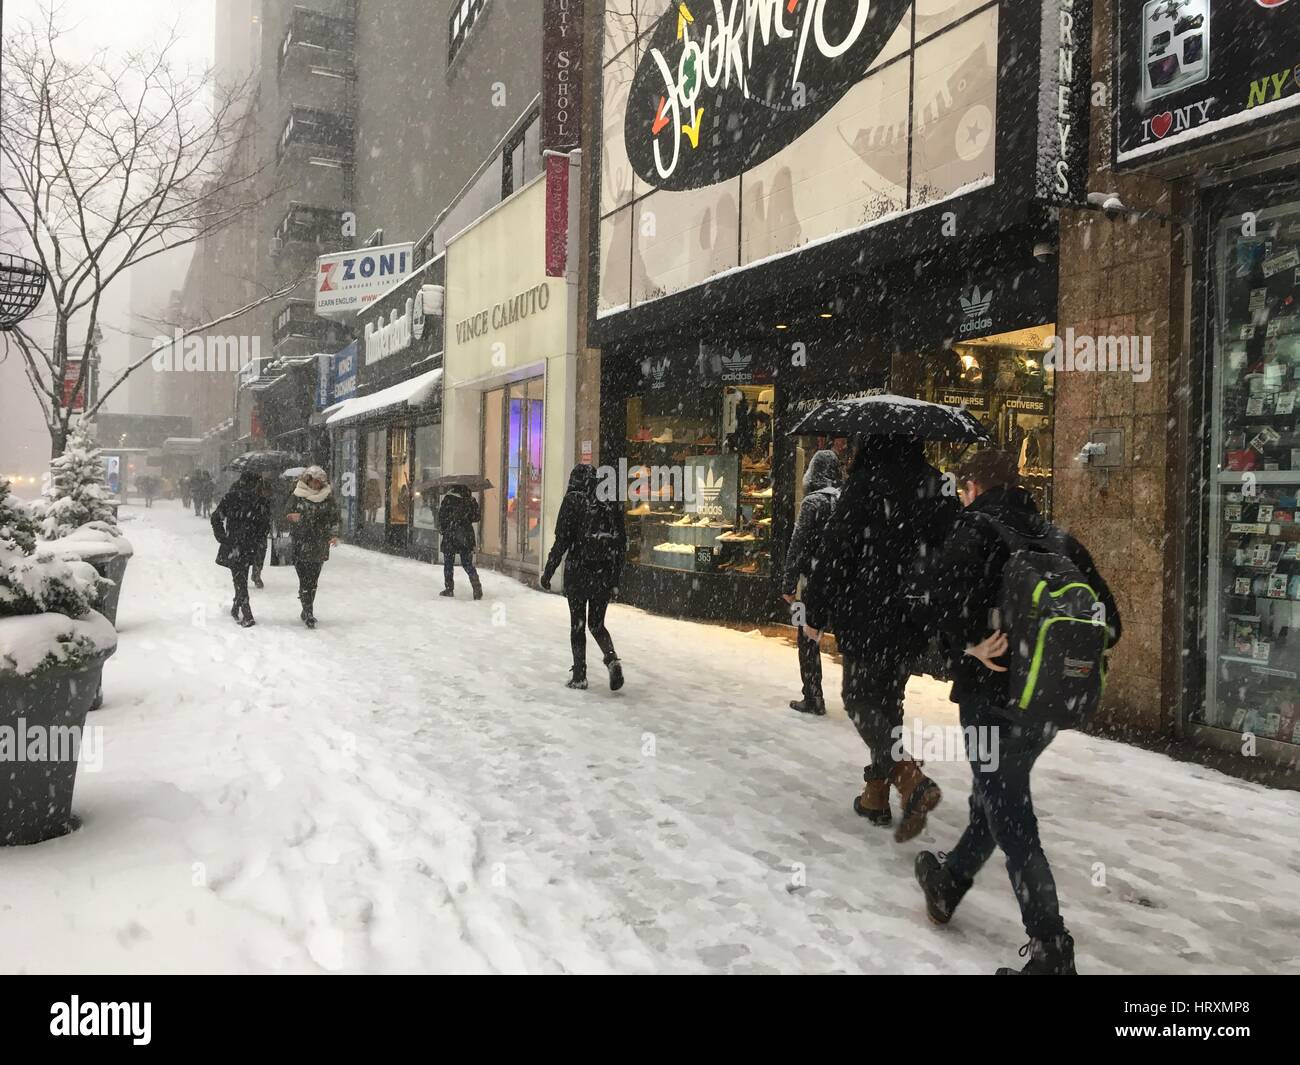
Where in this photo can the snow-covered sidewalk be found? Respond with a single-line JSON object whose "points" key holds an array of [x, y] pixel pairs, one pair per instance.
{"points": [[411, 788]]}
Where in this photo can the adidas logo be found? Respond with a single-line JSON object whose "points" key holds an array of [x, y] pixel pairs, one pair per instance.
{"points": [[659, 371], [735, 367], [975, 311], [711, 487]]}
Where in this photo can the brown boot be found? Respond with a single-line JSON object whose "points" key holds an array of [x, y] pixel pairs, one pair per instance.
{"points": [[873, 803], [919, 795]]}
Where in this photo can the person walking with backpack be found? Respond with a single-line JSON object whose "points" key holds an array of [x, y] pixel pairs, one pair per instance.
{"points": [[313, 519], [240, 523], [821, 484], [892, 515], [1027, 619], [591, 540], [457, 514]]}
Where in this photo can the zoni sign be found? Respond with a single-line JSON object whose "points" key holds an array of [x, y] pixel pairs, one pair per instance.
{"points": [[724, 86]]}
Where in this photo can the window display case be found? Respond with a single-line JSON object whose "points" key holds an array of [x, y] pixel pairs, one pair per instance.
{"points": [[1253, 554], [699, 480]]}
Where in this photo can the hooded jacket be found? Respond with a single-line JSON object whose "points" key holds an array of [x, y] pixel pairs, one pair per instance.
{"points": [[241, 523], [593, 565], [457, 514], [821, 482], [892, 516], [967, 577], [317, 524]]}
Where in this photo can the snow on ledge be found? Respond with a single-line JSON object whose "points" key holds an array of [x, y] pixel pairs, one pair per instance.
{"points": [[34, 640], [413, 393]]}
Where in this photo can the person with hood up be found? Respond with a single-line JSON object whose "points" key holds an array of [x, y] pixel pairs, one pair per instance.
{"points": [[891, 518], [821, 484], [313, 519], [457, 514], [240, 523], [591, 540], [965, 584]]}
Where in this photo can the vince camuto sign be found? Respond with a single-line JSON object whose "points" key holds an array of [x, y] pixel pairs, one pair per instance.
{"points": [[506, 313]]}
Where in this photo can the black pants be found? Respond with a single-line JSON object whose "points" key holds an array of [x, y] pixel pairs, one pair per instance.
{"points": [[873, 698], [1002, 816], [449, 567], [588, 612], [240, 576], [810, 666], [308, 578]]}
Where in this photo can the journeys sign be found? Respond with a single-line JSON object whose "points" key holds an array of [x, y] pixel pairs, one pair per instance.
{"points": [[721, 88], [1192, 69]]}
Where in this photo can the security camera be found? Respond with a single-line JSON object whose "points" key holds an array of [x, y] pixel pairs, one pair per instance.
{"points": [[1044, 251], [1108, 202]]}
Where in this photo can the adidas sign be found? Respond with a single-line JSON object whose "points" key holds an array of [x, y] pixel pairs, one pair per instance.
{"points": [[975, 312]]}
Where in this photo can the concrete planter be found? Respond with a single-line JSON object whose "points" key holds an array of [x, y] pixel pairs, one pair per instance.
{"points": [[36, 795], [114, 568]]}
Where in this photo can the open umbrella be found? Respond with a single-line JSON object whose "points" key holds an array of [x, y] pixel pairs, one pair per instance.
{"points": [[475, 482], [265, 461], [294, 472], [892, 416]]}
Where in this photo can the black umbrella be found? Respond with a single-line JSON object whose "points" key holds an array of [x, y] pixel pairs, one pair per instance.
{"points": [[892, 416], [475, 482], [265, 461]]}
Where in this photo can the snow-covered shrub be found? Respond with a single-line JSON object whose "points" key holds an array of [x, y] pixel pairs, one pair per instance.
{"points": [[45, 600], [78, 491]]}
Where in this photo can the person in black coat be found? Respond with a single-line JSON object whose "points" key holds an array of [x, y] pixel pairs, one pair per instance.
{"points": [[892, 515], [313, 521], [965, 584], [457, 514], [591, 540], [821, 484], [240, 523]]}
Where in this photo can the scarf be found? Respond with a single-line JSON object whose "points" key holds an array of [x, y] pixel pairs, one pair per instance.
{"points": [[301, 491]]}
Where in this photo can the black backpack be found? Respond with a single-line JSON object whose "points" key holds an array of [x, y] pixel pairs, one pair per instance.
{"points": [[1056, 631], [600, 533]]}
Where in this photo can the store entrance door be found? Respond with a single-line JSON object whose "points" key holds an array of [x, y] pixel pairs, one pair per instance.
{"points": [[514, 424]]}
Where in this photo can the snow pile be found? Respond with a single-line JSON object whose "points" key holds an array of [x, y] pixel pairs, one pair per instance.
{"points": [[16, 523], [43, 641], [96, 540], [78, 492]]}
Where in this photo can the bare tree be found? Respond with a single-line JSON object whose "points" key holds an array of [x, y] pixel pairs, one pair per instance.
{"points": [[108, 161]]}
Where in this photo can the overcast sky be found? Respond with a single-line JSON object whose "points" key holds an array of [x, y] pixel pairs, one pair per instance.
{"points": [[115, 25]]}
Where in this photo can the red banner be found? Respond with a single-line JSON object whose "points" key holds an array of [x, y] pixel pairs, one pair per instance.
{"points": [[557, 215], [561, 74], [71, 373]]}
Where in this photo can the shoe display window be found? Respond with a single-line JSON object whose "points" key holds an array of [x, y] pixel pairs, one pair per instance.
{"points": [[1252, 582], [699, 480]]}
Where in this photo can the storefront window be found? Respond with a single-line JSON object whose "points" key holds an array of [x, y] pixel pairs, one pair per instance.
{"points": [[700, 479], [1001, 380], [493, 450], [1253, 583], [375, 478], [428, 467], [523, 474], [345, 476], [399, 481]]}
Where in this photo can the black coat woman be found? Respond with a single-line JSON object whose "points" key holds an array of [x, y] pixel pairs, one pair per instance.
{"points": [[457, 514], [313, 519], [240, 523], [591, 540]]}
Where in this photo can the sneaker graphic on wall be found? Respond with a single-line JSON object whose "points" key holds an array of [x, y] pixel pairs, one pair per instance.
{"points": [[975, 312]]}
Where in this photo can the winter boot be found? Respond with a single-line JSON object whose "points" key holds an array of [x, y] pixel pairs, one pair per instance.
{"points": [[942, 890], [615, 668], [257, 578], [478, 588], [578, 680], [873, 803], [919, 795], [234, 610], [449, 592], [1047, 957], [816, 707], [308, 614]]}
